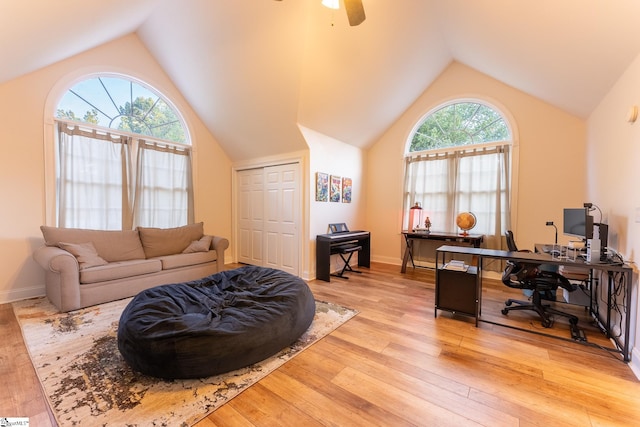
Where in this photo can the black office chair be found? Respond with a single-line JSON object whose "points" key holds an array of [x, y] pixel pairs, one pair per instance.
{"points": [[540, 281], [542, 284], [511, 242]]}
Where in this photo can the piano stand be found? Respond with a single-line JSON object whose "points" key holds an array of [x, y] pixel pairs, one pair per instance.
{"points": [[342, 250], [329, 244]]}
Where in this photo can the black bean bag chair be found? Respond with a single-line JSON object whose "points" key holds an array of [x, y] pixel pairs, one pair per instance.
{"points": [[217, 324]]}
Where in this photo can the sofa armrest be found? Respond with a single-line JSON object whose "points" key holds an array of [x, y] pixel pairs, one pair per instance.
{"points": [[62, 276], [219, 244]]}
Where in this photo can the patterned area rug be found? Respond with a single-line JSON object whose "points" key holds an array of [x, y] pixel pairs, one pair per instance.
{"points": [[88, 383]]}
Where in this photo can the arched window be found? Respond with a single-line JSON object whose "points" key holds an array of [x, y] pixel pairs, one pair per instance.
{"points": [[459, 124], [458, 159], [124, 157]]}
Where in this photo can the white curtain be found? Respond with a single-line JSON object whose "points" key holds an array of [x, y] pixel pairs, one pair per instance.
{"points": [[471, 180], [114, 182], [91, 177], [163, 190]]}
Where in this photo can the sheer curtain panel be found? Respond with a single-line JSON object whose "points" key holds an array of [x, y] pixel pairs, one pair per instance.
{"points": [[163, 190], [91, 179], [108, 181], [473, 180]]}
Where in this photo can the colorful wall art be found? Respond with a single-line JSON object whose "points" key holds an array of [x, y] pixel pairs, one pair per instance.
{"points": [[335, 188], [347, 184], [322, 187]]}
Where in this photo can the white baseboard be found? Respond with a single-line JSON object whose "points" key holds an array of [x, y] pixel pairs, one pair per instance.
{"points": [[20, 294], [634, 364], [386, 260]]}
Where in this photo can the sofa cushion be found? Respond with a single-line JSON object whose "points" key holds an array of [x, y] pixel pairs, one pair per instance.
{"points": [[182, 260], [168, 241], [119, 270], [201, 245], [85, 253], [111, 245]]}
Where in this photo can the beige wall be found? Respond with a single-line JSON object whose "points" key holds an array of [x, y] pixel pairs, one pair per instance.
{"points": [[22, 171], [333, 157], [550, 146], [613, 159]]}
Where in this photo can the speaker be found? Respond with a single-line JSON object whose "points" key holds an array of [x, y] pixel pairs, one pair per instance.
{"points": [[593, 250]]}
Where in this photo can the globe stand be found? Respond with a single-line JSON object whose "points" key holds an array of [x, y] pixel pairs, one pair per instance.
{"points": [[465, 222]]}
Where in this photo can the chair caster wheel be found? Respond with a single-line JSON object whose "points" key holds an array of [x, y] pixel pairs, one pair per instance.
{"points": [[505, 311], [508, 303], [546, 323]]}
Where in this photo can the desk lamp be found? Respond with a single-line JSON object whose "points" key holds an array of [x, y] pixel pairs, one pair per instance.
{"points": [[415, 216], [591, 207], [554, 226]]}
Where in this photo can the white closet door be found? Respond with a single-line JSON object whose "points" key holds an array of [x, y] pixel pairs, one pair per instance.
{"points": [[268, 217], [281, 217], [251, 216]]}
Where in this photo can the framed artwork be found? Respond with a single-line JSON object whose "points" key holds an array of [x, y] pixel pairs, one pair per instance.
{"points": [[347, 184], [334, 188], [322, 187]]}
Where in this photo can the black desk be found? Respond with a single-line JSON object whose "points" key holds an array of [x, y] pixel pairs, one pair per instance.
{"points": [[410, 236], [324, 243], [621, 342]]}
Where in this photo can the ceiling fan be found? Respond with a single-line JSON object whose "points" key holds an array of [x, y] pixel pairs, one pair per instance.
{"points": [[354, 8]]}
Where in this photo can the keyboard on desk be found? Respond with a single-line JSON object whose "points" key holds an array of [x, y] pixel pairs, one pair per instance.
{"points": [[559, 249], [550, 249]]}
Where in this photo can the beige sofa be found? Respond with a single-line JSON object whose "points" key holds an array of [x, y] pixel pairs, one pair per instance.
{"points": [[88, 267]]}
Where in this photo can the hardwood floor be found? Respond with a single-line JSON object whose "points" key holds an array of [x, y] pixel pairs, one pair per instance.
{"points": [[395, 364]]}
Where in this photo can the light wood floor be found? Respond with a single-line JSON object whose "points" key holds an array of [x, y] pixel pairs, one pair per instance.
{"points": [[395, 364]]}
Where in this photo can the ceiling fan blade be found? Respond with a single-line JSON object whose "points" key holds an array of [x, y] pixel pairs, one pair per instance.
{"points": [[355, 12]]}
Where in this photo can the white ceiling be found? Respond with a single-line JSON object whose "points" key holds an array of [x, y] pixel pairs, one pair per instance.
{"points": [[255, 69]]}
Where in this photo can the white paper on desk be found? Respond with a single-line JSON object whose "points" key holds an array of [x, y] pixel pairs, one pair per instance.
{"points": [[456, 265]]}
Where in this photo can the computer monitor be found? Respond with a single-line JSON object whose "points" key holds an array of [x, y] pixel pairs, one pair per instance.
{"points": [[577, 223]]}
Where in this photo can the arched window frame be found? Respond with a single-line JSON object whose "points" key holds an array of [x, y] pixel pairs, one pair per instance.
{"points": [[110, 111], [512, 142], [171, 96], [506, 118]]}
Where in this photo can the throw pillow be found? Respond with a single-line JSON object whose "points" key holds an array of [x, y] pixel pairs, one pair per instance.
{"points": [[111, 245], [201, 245], [169, 241], [85, 253]]}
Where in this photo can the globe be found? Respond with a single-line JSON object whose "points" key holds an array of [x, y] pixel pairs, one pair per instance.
{"points": [[465, 221]]}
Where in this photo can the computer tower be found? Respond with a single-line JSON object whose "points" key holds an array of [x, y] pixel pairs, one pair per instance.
{"points": [[602, 231]]}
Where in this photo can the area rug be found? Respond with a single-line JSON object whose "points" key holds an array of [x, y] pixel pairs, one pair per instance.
{"points": [[88, 383]]}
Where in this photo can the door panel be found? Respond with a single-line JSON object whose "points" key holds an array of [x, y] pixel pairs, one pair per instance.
{"points": [[268, 217], [251, 216]]}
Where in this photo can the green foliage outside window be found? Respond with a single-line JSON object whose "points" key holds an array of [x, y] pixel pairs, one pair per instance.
{"points": [[148, 117], [122, 104], [458, 124]]}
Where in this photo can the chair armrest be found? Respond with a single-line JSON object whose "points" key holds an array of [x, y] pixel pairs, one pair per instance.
{"points": [[62, 276], [219, 244], [54, 259]]}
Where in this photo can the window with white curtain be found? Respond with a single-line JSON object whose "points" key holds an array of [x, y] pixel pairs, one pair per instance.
{"points": [[123, 158], [459, 160]]}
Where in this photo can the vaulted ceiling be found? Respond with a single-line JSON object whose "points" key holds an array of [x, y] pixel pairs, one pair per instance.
{"points": [[255, 69]]}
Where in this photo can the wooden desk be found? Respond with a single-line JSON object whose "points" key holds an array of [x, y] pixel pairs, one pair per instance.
{"points": [[473, 240], [472, 307]]}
